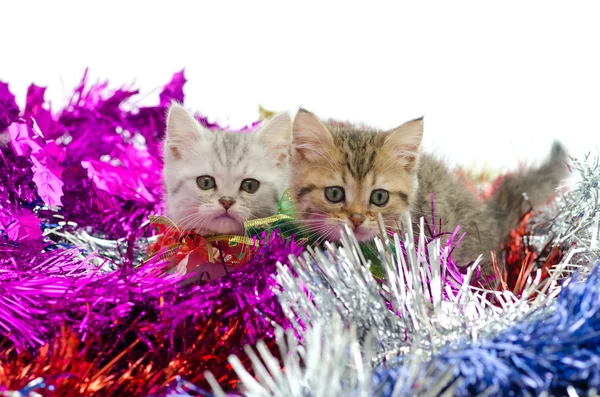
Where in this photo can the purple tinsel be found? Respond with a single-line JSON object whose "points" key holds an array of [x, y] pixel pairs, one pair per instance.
{"points": [[44, 291], [97, 162], [9, 110], [93, 171]]}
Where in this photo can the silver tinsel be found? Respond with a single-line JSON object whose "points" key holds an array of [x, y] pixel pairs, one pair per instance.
{"points": [[575, 216], [426, 314], [340, 310], [330, 362], [105, 253]]}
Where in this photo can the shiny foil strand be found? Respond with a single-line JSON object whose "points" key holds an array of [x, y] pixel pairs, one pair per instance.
{"points": [[138, 330], [537, 339], [83, 314], [80, 311], [546, 346]]}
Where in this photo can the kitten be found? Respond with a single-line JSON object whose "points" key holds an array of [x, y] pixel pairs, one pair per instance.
{"points": [[216, 180], [345, 174]]}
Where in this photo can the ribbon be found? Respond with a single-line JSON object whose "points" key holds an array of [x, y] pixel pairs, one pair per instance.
{"points": [[173, 242]]}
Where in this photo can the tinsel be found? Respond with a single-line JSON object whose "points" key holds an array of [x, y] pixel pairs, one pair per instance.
{"points": [[80, 310], [131, 324], [552, 351], [83, 313], [575, 217], [518, 340]]}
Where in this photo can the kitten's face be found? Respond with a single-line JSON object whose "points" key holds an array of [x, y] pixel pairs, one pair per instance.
{"points": [[216, 180], [349, 175]]}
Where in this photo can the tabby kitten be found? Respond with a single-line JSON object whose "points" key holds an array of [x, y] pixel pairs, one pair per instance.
{"points": [[347, 174], [216, 180]]}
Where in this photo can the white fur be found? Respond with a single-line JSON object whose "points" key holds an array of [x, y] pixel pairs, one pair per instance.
{"points": [[191, 151]]}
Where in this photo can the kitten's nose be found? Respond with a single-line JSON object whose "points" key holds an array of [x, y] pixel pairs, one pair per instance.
{"points": [[227, 202], [357, 219]]}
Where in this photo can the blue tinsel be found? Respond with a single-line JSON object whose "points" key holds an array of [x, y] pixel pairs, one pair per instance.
{"points": [[552, 349]]}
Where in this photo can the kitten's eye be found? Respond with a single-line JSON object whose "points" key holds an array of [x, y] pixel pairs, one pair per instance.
{"points": [[335, 194], [206, 182], [250, 185], [380, 197]]}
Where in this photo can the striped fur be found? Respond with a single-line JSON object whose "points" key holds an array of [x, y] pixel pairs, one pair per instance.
{"points": [[361, 159], [191, 151]]}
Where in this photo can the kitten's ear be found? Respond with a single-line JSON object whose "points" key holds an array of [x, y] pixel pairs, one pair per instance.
{"points": [[310, 138], [277, 136], [404, 142], [182, 131]]}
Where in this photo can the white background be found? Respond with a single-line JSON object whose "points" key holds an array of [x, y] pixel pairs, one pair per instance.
{"points": [[497, 82]]}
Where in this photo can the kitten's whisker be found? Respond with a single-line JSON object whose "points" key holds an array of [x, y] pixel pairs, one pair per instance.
{"points": [[190, 219], [325, 236], [197, 221], [194, 224]]}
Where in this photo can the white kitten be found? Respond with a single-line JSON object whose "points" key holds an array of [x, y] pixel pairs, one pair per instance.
{"points": [[216, 180]]}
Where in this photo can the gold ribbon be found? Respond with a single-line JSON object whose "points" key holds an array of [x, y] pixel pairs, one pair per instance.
{"points": [[231, 238], [266, 221], [169, 252], [162, 220]]}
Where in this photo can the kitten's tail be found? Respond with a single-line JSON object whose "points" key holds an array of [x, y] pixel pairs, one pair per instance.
{"points": [[517, 193]]}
